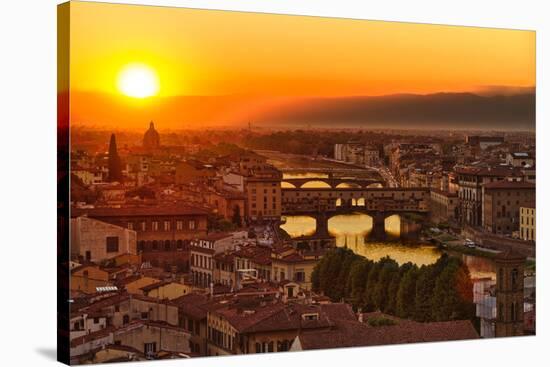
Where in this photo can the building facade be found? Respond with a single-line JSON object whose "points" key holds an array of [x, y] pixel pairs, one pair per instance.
{"points": [[501, 205], [527, 223]]}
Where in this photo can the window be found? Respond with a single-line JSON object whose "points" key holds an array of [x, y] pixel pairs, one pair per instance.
{"points": [[179, 225], [144, 315], [125, 319], [112, 244], [167, 245], [166, 225], [191, 224], [514, 278], [130, 226], [143, 226], [150, 348], [155, 225], [300, 276]]}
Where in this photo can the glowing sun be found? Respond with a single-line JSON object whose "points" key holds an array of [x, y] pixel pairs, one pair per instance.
{"points": [[138, 81]]}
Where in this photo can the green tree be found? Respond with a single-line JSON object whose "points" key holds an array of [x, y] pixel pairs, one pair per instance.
{"points": [[405, 303], [424, 293]]}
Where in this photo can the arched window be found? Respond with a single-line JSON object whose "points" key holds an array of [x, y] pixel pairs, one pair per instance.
{"points": [[167, 245], [179, 244], [514, 278]]}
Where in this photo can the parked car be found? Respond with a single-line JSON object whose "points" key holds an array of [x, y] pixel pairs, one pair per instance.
{"points": [[469, 243]]}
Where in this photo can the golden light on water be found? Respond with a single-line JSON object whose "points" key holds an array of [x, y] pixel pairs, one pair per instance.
{"points": [[297, 226], [138, 81], [393, 225]]}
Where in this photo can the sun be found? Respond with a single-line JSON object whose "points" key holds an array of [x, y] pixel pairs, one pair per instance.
{"points": [[138, 81]]}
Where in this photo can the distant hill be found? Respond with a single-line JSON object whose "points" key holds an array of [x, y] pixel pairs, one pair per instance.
{"points": [[440, 110]]}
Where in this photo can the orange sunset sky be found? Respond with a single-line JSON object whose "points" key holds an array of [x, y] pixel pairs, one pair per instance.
{"points": [[219, 66]]}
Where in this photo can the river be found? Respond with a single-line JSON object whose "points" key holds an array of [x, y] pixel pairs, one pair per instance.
{"points": [[352, 230]]}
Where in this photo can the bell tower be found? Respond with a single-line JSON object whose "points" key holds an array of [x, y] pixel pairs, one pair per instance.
{"points": [[509, 294]]}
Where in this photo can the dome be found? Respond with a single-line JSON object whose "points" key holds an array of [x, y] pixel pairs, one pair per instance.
{"points": [[151, 139]]}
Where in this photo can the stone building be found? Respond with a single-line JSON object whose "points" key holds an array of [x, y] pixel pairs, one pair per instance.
{"points": [[443, 206], [528, 223], [502, 202], [509, 294], [94, 240], [163, 231], [470, 183]]}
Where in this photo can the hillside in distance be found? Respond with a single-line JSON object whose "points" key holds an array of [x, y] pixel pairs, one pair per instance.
{"points": [[440, 110], [413, 111]]}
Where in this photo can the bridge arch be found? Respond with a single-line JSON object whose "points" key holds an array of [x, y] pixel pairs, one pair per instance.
{"points": [[287, 185], [348, 185], [315, 184]]}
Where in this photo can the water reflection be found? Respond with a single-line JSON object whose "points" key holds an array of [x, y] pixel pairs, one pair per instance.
{"points": [[299, 225], [393, 226], [353, 229]]}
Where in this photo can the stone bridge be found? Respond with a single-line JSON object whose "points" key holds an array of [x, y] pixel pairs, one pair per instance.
{"points": [[378, 203], [334, 182]]}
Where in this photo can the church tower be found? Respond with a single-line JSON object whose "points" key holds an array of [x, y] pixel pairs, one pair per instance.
{"points": [[509, 294], [151, 139]]}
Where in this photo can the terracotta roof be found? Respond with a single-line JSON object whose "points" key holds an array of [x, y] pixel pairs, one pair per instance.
{"points": [[499, 171], [252, 316], [139, 211], [92, 336], [354, 334], [190, 305]]}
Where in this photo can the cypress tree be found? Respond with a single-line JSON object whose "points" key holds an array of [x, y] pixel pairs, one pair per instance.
{"points": [[115, 169]]}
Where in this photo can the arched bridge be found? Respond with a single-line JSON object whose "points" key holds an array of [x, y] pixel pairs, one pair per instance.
{"points": [[334, 182], [378, 203]]}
